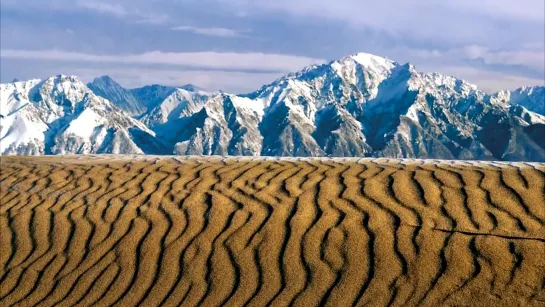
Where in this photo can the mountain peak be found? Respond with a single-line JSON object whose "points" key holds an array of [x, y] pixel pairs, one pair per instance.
{"points": [[62, 79], [64, 83], [105, 79], [192, 88], [368, 59], [108, 88]]}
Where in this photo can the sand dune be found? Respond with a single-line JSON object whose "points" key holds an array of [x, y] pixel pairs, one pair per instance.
{"points": [[126, 231]]}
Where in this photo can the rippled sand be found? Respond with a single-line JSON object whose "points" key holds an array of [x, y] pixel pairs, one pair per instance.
{"points": [[81, 231]]}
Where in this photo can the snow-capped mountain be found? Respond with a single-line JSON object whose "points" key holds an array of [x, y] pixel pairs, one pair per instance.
{"points": [[360, 105], [369, 105], [60, 115]]}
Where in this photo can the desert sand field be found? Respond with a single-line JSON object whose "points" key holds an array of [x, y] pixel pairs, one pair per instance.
{"points": [[150, 231]]}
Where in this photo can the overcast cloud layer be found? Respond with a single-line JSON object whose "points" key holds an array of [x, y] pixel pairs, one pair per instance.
{"points": [[237, 45]]}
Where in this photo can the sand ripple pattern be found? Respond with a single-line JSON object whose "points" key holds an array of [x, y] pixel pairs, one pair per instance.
{"points": [[150, 231]]}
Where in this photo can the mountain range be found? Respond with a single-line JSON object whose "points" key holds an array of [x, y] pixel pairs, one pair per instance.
{"points": [[361, 105]]}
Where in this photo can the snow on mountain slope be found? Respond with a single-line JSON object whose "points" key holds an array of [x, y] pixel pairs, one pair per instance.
{"points": [[14, 96], [22, 132], [21, 128], [60, 115]]}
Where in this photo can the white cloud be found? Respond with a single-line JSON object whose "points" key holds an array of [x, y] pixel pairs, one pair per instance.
{"points": [[232, 82], [220, 32], [527, 58], [530, 58], [364, 11], [502, 35], [438, 21], [129, 12], [131, 77], [241, 81], [151, 19], [499, 69], [104, 7], [522, 10], [209, 60], [488, 81]]}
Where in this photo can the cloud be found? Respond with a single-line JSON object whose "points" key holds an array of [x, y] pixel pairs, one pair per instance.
{"points": [[523, 10], [151, 19], [220, 32], [133, 76], [229, 81], [488, 81], [529, 58], [501, 39], [492, 70], [365, 11], [104, 7], [208, 60], [446, 22]]}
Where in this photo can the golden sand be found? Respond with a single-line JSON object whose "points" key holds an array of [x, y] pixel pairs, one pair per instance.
{"points": [[127, 231]]}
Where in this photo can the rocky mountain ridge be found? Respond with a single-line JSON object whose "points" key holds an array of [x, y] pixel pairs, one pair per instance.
{"points": [[360, 105]]}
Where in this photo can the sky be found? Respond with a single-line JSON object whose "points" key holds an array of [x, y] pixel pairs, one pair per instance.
{"points": [[239, 45]]}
